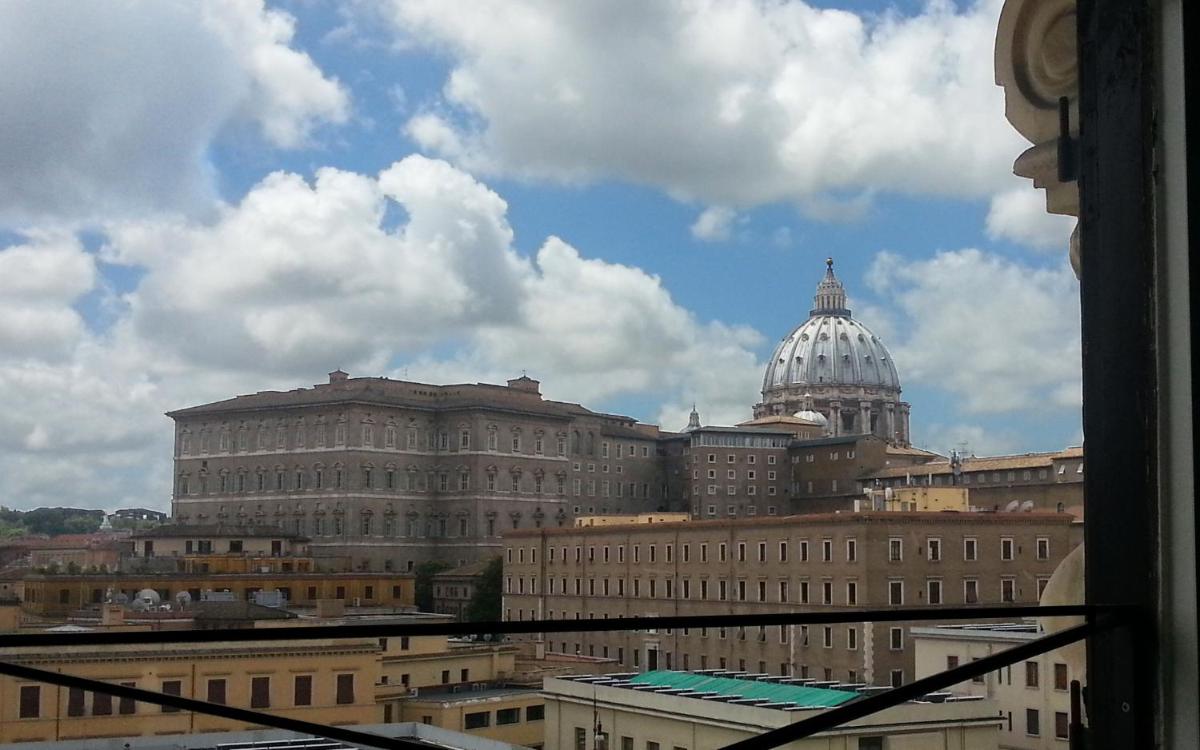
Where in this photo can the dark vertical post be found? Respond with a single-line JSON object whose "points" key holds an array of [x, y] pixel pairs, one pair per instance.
{"points": [[1119, 373]]}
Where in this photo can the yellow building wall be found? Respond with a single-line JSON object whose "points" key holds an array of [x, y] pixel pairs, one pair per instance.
{"points": [[61, 595], [931, 499], [428, 657], [452, 715], [193, 665]]}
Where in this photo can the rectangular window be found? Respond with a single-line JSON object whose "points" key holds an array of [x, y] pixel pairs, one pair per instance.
{"points": [[895, 550], [935, 549], [1033, 722], [851, 593], [508, 716], [934, 587], [171, 687], [102, 704], [971, 591], [1061, 679], [1031, 674], [970, 549], [826, 550], [345, 689], [896, 593], [1006, 548], [1008, 590], [481, 719], [896, 639], [31, 702], [125, 706], [216, 691], [1062, 726], [260, 692], [74, 702], [1043, 548], [302, 690], [852, 639], [535, 713], [804, 551], [851, 550]]}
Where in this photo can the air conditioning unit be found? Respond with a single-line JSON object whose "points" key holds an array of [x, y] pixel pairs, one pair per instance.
{"points": [[414, 692]]}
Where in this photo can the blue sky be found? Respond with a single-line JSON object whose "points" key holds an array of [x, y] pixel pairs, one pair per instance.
{"points": [[631, 201]]}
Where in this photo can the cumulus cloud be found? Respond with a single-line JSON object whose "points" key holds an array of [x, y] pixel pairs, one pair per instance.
{"points": [[109, 108], [301, 277], [1001, 335], [714, 224], [732, 104], [39, 282], [1019, 214]]}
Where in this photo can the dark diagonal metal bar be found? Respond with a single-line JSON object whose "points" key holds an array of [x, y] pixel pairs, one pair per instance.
{"points": [[394, 630], [865, 707], [212, 709]]}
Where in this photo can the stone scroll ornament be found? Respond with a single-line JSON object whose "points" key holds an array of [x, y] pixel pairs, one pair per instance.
{"points": [[1037, 66]]}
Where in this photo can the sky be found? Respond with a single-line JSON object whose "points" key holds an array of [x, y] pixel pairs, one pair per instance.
{"points": [[630, 201]]}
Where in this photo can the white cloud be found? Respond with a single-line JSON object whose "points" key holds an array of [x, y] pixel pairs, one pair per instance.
{"points": [[731, 104], [299, 278], [1001, 335], [1019, 214], [109, 108], [714, 224]]}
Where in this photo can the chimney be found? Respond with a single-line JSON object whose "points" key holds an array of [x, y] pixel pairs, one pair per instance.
{"points": [[338, 376]]}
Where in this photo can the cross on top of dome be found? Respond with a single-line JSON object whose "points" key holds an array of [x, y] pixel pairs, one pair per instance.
{"points": [[830, 298]]}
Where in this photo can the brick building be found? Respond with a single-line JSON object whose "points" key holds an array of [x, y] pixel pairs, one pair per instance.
{"points": [[867, 560]]}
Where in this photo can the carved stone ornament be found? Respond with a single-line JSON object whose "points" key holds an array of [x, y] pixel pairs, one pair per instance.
{"points": [[1036, 63]]}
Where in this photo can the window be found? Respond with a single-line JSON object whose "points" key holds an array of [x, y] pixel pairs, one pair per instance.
{"points": [[260, 692], [897, 677], [970, 549], [31, 702], [171, 687], [125, 706], [895, 549], [935, 549], [1033, 722], [1031, 674], [971, 591], [826, 550], [508, 716], [1043, 548], [481, 719], [1062, 726], [851, 593], [783, 552], [851, 550], [216, 691], [535, 713], [1006, 548], [804, 551], [102, 704], [827, 640], [1008, 590], [74, 702], [934, 587], [1061, 678], [852, 639], [302, 690], [895, 593], [951, 662], [345, 689]]}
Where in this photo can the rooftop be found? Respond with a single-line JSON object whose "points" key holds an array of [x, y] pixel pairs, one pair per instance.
{"points": [[859, 518], [984, 463], [193, 531], [794, 693]]}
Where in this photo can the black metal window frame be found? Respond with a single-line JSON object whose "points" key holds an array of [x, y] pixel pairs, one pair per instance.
{"points": [[1120, 379]]}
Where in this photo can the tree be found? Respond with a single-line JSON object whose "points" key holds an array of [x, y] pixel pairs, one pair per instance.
{"points": [[485, 601], [424, 584]]}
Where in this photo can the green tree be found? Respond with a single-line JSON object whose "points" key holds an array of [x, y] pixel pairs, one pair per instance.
{"points": [[424, 583], [485, 601]]}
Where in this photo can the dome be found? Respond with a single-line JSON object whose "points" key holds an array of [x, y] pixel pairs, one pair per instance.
{"points": [[831, 348], [815, 417]]}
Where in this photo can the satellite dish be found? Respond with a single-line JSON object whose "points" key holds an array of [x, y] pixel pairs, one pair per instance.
{"points": [[1012, 507], [121, 598], [138, 605], [183, 599], [1027, 506], [149, 596]]}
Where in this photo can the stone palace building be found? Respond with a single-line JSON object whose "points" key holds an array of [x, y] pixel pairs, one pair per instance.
{"points": [[384, 474]]}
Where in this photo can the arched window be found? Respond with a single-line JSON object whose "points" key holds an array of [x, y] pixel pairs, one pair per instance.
{"points": [[575, 442]]}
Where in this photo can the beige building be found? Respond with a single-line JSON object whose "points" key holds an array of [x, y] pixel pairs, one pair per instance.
{"points": [[652, 712], [175, 541], [387, 473], [1040, 481], [330, 682], [924, 499], [453, 589], [870, 560], [61, 595], [514, 715], [1033, 697]]}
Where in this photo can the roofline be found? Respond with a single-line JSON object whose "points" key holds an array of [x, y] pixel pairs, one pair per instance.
{"points": [[881, 517]]}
